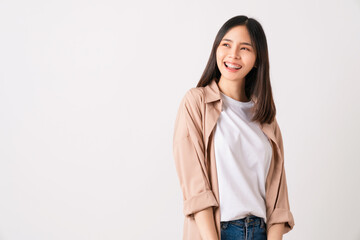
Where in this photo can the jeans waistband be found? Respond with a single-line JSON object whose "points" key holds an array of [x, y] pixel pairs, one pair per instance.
{"points": [[250, 219]]}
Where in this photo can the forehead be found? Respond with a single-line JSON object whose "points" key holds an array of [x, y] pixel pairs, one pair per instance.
{"points": [[238, 34]]}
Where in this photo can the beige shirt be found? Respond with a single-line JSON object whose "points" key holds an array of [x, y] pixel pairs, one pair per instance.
{"points": [[194, 155]]}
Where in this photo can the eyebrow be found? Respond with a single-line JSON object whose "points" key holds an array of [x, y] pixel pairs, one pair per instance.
{"points": [[229, 40]]}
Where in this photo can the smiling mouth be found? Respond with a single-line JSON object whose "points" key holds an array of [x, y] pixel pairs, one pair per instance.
{"points": [[232, 66]]}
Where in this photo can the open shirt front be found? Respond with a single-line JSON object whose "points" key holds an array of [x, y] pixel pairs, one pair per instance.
{"points": [[193, 151]]}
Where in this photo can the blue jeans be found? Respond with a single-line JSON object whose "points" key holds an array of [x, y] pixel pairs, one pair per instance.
{"points": [[248, 228]]}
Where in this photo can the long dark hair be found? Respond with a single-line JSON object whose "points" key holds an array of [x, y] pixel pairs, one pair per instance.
{"points": [[257, 81]]}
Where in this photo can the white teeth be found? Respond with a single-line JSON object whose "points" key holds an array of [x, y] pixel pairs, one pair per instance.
{"points": [[232, 66]]}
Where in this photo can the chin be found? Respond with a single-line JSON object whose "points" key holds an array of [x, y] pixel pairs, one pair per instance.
{"points": [[231, 77]]}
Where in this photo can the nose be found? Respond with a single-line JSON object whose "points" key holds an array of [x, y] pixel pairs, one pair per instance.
{"points": [[235, 53]]}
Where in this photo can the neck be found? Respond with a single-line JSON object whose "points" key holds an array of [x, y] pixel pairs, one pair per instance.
{"points": [[233, 88]]}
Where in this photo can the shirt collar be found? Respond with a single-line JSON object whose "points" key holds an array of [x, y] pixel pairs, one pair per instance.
{"points": [[212, 92]]}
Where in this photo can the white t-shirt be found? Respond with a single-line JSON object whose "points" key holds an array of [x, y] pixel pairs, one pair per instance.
{"points": [[243, 154]]}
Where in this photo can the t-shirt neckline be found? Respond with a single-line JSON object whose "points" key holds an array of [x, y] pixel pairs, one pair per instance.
{"points": [[235, 102]]}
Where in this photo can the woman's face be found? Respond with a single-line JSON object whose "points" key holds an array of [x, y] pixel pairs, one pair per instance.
{"points": [[235, 55]]}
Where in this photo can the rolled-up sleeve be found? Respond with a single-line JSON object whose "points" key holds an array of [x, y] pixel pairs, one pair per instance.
{"points": [[282, 212], [189, 156]]}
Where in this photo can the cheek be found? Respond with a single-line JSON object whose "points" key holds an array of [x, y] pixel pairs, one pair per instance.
{"points": [[253, 57], [220, 53], [250, 57], [218, 58], [218, 62]]}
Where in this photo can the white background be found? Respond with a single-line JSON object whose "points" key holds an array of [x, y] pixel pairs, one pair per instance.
{"points": [[88, 96]]}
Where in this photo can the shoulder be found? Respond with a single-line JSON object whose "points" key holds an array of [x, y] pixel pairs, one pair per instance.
{"points": [[274, 123], [277, 133], [195, 95], [193, 98], [190, 115], [192, 102]]}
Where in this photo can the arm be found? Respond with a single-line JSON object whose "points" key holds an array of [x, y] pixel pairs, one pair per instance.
{"points": [[189, 156], [205, 221], [281, 214], [276, 232]]}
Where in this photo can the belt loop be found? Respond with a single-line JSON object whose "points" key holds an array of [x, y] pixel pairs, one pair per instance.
{"points": [[262, 221]]}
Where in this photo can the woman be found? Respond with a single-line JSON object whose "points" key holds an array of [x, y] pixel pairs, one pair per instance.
{"points": [[227, 144]]}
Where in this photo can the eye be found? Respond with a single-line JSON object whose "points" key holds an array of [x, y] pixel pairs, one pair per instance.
{"points": [[245, 48], [225, 44]]}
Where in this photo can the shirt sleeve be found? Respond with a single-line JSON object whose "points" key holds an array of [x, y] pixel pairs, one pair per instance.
{"points": [[189, 156], [282, 213]]}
